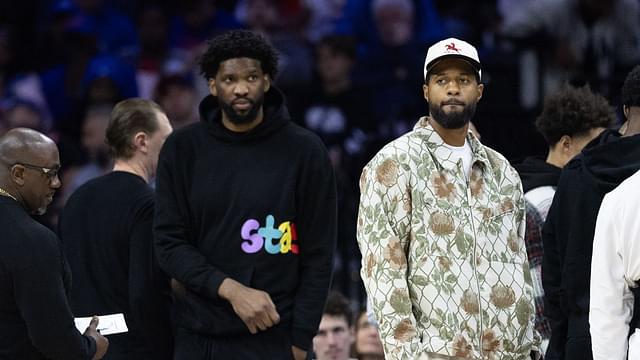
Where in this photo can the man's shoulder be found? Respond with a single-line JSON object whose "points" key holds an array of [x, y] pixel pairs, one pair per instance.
{"points": [[405, 149], [26, 239], [186, 134], [627, 191], [499, 162]]}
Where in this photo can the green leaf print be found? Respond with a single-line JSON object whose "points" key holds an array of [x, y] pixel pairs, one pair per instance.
{"points": [[461, 243], [436, 322], [399, 302], [507, 190], [443, 204], [523, 311], [451, 278], [420, 280]]}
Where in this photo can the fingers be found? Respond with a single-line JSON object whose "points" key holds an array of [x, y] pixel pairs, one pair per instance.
{"points": [[93, 324], [273, 315]]}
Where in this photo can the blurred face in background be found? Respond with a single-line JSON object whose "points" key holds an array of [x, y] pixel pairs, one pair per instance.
{"points": [[332, 65], [93, 134], [23, 116], [368, 344], [334, 338], [180, 104], [394, 23]]}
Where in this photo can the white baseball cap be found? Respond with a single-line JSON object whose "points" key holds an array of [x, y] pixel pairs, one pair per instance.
{"points": [[452, 47]]}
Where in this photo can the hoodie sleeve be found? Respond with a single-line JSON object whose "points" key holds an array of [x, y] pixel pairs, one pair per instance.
{"points": [[176, 253], [552, 264], [317, 233]]}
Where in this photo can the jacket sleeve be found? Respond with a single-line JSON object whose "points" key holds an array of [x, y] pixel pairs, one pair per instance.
{"points": [[149, 287], [552, 264], [175, 250], [317, 233], [42, 300], [528, 285], [383, 229], [611, 301]]}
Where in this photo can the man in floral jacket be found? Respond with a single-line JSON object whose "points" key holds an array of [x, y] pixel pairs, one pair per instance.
{"points": [[440, 228]]}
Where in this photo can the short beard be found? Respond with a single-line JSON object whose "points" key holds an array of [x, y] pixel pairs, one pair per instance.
{"points": [[454, 119], [240, 119]]}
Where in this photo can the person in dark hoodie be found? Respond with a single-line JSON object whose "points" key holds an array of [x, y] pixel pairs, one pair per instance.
{"points": [[571, 118], [569, 230], [36, 322], [245, 215]]}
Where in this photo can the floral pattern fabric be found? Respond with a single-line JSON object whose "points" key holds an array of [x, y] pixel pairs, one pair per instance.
{"points": [[443, 258]]}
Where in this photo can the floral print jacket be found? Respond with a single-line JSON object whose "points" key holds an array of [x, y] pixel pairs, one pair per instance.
{"points": [[443, 259]]}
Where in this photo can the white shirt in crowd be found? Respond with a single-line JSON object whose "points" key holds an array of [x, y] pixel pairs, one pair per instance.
{"points": [[615, 268]]}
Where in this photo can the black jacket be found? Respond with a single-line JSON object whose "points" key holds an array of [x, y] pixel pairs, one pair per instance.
{"points": [[36, 322], [568, 232], [258, 207]]}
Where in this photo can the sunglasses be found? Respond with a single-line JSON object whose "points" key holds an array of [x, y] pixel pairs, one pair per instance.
{"points": [[51, 173]]}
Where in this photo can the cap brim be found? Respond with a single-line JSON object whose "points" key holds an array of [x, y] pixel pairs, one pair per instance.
{"points": [[474, 64]]}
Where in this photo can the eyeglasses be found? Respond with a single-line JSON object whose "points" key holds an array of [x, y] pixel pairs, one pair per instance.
{"points": [[51, 173]]}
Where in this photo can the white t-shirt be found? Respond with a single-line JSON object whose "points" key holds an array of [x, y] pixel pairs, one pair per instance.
{"points": [[461, 152]]}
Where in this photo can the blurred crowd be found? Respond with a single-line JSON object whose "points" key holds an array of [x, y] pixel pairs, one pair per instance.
{"points": [[351, 71]]}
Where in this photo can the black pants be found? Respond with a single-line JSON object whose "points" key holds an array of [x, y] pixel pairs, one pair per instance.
{"points": [[272, 344]]}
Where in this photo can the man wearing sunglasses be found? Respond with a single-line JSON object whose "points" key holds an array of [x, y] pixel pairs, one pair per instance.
{"points": [[35, 319]]}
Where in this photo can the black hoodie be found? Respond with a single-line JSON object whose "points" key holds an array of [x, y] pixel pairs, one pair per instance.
{"points": [[258, 207], [535, 172], [568, 232]]}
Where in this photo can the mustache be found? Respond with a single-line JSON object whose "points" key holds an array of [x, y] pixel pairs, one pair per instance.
{"points": [[452, 102], [242, 99]]}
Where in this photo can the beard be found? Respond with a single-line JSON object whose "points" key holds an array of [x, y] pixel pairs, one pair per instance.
{"points": [[245, 118], [453, 119]]}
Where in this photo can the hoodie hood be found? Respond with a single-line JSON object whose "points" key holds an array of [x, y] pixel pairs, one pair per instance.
{"points": [[610, 158], [276, 116], [534, 172]]}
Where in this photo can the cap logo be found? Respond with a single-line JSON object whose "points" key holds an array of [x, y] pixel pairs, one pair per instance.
{"points": [[451, 47]]}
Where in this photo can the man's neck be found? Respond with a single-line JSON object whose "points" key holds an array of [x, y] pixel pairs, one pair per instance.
{"points": [[134, 167], [241, 128], [555, 159], [453, 137], [633, 122]]}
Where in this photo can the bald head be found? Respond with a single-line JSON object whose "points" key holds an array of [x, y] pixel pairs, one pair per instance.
{"points": [[29, 169], [24, 145]]}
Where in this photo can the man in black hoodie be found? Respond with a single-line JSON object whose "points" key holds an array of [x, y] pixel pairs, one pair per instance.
{"points": [[568, 232], [245, 215], [570, 119]]}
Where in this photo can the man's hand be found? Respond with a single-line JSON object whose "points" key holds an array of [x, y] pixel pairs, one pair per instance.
{"points": [[254, 307], [102, 344], [298, 354]]}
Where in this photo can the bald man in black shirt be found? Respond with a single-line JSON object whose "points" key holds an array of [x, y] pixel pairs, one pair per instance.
{"points": [[36, 322]]}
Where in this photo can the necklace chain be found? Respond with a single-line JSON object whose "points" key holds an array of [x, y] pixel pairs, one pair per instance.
{"points": [[4, 192]]}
